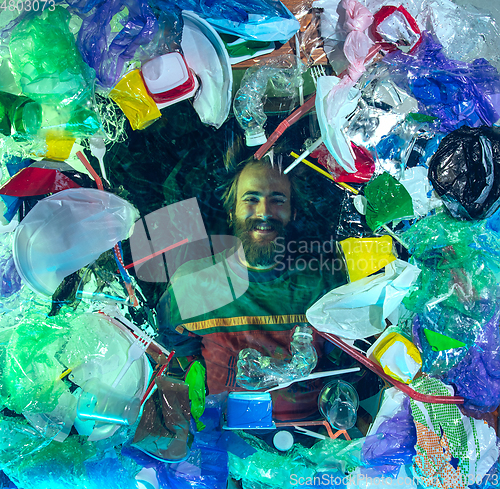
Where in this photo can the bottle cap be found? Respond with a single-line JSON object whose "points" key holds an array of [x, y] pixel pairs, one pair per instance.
{"points": [[257, 139], [283, 440]]}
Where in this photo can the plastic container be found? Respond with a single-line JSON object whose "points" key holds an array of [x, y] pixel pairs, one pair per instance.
{"points": [[168, 79], [249, 410], [338, 402]]}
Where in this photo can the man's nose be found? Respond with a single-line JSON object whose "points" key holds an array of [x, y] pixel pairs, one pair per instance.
{"points": [[263, 210]]}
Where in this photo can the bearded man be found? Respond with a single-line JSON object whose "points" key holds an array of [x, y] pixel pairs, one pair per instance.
{"points": [[254, 303]]}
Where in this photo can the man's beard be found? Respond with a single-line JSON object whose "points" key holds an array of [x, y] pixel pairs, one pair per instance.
{"points": [[258, 253]]}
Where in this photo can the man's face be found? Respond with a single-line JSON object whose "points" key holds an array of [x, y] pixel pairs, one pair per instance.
{"points": [[263, 210]]}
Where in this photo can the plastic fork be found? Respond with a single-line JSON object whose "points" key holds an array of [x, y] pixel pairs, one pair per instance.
{"points": [[316, 375], [98, 150], [316, 72], [136, 350]]}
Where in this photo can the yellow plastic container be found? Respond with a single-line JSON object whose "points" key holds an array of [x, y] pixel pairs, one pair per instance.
{"points": [[397, 355], [131, 95], [365, 256]]}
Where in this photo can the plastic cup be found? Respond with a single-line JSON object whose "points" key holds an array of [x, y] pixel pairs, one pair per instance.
{"points": [[338, 402], [99, 402]]}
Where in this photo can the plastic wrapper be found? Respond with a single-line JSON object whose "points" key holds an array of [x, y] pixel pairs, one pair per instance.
{"points": [[365, 166], [51, 72], [256, 371], [285, 76], [452, 449], [163, 430], [107, 45], [464, 172], [261, 20], [477, 376], [455, 92], [195, 378]]}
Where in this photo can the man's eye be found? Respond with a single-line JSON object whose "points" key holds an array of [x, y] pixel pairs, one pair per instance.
{"points": [[251, 200], [279, 202]]}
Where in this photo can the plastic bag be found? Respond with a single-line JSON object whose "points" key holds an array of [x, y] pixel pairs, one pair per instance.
{"points": [[256, 371], [387, 200], [67, 231], [452, 449], [163, 430], [457, 93], [465, 172], [106, 45], [392, 445], [261, 20], [51, 72], [358, 310], [477, 376]]}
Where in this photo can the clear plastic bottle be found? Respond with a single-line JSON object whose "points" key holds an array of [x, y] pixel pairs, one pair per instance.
{"points": [[285, 75], [256, 371]]}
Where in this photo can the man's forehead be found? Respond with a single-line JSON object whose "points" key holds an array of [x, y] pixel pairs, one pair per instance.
{"points": [[264, 180]]}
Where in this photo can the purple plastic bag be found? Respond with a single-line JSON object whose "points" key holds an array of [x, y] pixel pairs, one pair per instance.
{"points": [[456, 92], [477, 376], [394, 443], [108, 59]]}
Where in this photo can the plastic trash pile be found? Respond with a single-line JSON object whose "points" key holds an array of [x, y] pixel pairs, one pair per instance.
{"points": [[401, 99]]}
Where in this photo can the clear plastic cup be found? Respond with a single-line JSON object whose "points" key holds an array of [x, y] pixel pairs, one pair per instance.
{"points": [[338, 402], [99, 402]]}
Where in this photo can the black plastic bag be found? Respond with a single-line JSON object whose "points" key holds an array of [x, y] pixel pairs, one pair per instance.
{"points": [[465, 172]]}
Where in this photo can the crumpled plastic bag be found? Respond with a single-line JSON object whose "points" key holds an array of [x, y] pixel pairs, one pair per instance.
{"points": [[261, 20], [477, 376], [465, 172], [66, 231], [359, 309], [163, 430], [106, 44], [457, 93], [391, 440]]}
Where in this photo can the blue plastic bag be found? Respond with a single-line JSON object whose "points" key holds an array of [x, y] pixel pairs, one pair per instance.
{"points": [[260, 20]]}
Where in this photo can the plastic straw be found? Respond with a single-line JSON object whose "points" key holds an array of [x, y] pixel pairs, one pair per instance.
{"points": [[417, 396], [306, 153]]}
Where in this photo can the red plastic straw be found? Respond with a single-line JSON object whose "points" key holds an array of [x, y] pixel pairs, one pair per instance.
{"points": [[88, 166], [152, 382], [417, 396]]}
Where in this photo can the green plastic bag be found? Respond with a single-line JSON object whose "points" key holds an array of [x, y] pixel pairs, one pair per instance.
{"points": [[387, 200], [50, 70]]}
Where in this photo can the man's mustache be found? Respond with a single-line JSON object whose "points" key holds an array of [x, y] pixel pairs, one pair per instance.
{"points": [[252, 224]]}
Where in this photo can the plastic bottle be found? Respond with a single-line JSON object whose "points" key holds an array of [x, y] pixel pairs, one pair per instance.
{"points": [[19, 114], [256, 371], [248, 104]]}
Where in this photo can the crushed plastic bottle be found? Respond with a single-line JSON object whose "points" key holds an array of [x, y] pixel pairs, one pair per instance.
{"points": [[285, 76], [256, 371]]}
